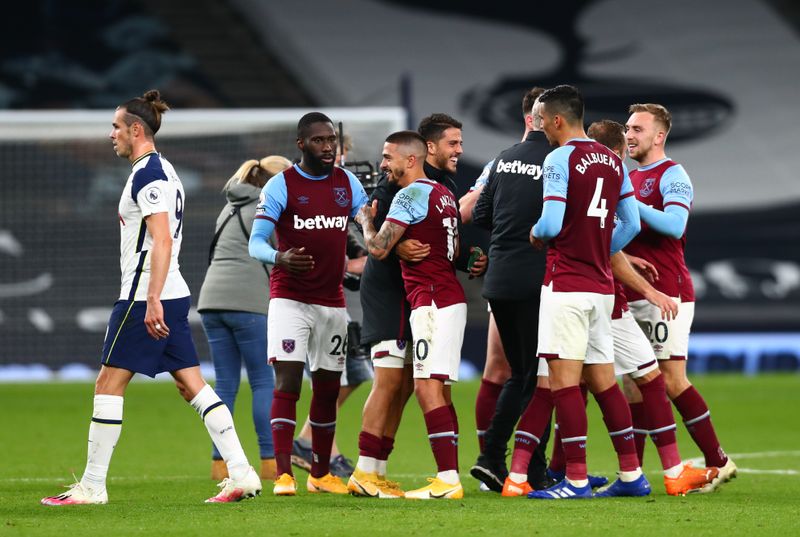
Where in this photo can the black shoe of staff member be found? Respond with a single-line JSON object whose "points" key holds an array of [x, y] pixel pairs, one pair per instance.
{"points": [[492, 473]]}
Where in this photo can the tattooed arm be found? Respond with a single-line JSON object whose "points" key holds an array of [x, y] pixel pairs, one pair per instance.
{"points": [[379, 243]]}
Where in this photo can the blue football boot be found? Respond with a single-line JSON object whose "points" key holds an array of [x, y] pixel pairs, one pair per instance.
{"points": [[562, 491], [637, 487]]}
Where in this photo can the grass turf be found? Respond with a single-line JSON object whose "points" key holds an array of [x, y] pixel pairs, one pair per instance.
{"points": [[159, 474]]}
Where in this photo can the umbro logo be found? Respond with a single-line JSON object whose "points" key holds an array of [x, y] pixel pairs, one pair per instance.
{"points": [[303, 200]]}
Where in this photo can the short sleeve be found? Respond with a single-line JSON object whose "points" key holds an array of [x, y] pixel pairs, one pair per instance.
{"points": [[410, 205], [272, 201], [555, 173], [676, 187], [359, 194], [150, 192]]}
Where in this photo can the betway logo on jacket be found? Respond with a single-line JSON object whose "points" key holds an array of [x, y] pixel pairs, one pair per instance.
{"points": [[517, 166], [321, 222]]}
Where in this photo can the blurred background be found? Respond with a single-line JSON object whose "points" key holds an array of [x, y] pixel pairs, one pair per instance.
{"points": [[239, 73]]}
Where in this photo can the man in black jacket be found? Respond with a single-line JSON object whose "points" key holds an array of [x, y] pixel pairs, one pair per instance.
{"points": [[508, 206]]}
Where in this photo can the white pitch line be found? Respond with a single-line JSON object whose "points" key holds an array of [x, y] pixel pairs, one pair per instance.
{"points": [[772, 472]]}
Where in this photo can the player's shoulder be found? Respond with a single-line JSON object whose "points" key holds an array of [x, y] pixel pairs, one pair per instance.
{"points": [[276, 181], [676, 171], [350, 175], [559, 155], [420, 188], [148, 170]]}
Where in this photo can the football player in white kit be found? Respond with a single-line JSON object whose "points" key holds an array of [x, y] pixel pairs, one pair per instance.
{"points": [[148, 331]]}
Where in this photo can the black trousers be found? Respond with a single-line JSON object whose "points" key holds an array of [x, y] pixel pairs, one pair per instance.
{"points": [[518, 324]]}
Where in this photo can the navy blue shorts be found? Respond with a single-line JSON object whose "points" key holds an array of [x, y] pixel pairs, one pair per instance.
{"points": [[129, 346]]}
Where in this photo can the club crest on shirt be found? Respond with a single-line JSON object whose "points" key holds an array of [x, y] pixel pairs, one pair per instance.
{"points": [[288, 345], [401, 344], [647, 187], [341, 196], [153, 194]]}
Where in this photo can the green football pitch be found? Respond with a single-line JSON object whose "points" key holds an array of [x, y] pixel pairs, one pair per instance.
{"points": [[159, 474]]}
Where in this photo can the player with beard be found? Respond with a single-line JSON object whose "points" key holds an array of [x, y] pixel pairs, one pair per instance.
{"points": [[445, 145], [386, 326], [308, 207], [426, 211], [665, 196], [148, 331]]}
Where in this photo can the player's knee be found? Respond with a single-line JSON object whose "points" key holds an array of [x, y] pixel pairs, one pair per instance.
{"points": [[676, 384], [631, 390]]}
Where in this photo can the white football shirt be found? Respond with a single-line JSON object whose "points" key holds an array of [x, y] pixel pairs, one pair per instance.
{"points": [[153, 187]]}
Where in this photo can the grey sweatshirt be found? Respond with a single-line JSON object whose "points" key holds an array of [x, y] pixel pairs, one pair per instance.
{"points": [[234, 280]]}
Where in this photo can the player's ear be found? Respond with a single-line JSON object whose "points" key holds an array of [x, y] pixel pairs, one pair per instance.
{"points": [[431, 147]]}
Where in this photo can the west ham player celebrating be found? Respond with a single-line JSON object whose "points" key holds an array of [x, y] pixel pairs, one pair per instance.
{"points": [[148, 331], [585, 184], [426, 211], [665, 195], [308, 207]]}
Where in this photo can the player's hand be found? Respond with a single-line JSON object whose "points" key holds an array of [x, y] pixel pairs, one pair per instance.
{"points": [[356, 265], [295, 260], [536, 242], [412, 250], [644, 267], [367, 213], [668, 307], [154, 320], [479, 266]]}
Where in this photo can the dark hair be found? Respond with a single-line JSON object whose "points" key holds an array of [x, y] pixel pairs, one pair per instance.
{"points": [[529, 98], [309, 119], [410, 139], [432, 128], [564, 100], [609, 133], [148, 109]]}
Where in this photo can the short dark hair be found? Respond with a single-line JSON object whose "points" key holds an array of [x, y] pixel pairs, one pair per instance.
{"points": [[529, 98], [564, 100], [432, 128], [609, 133], [410, 139], [148, 109], [309, 119]]}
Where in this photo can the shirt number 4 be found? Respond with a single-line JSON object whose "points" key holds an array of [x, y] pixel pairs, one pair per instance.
{"points": [[597, 207]]}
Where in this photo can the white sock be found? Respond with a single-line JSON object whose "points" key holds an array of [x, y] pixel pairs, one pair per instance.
{"points": [[366, 464], [517, 478], [104, 432], [675, 471], [219, 423], [580, 483], [630, 476], [380, 467], [449, 476]]}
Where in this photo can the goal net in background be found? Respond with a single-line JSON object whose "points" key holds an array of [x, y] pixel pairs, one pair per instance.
{"points": [[61, 184]]}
